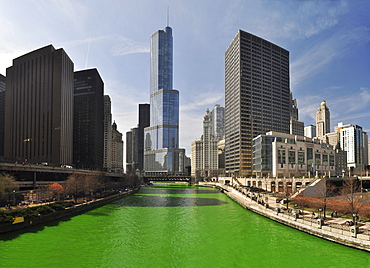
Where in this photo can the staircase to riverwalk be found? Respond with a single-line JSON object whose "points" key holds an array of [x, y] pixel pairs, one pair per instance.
{"points": [[309, 189]]}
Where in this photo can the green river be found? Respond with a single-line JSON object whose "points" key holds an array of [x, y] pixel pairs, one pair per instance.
{"points": [[172, 225]]}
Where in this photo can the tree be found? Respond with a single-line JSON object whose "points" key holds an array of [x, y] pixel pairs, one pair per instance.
{"points": [[94, 183], [75, 185], [56, 190], [323, 191], [7, 186], [350, 191]]}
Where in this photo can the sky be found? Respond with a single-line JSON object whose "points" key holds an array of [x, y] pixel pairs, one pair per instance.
{"points": [[328, 41]]}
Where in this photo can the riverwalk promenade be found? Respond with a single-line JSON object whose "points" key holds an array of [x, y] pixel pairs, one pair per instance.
{"points": [[332, 229]]}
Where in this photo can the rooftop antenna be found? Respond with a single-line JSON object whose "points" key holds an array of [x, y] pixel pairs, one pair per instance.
{"points": [[168, 15]]}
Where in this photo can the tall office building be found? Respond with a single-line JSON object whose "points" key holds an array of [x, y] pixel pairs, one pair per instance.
{"points": [[217, 122], [107, 160], [39, 107], [204, 152], [117, 150], [2, 113], [88, 120], [162, 155], [130, 164], [135, 141], [144, 121], [296, 126], [322, 120], [256, 97]]}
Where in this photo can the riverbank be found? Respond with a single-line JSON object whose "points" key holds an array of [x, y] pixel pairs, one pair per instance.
{"points": [[333, 229], [68, 212]]}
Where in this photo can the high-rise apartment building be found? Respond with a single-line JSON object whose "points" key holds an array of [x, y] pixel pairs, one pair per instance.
{"points": [[162, 155], [322, 120], [204, 152], [107, 160], [218, 122], [117, 150], [353, 140], [257, 97], [39, 108], [88, 120], [2, 113], [296, 126]]}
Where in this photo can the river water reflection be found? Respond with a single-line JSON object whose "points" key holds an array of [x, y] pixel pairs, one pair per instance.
{"points": [[172, 225]]}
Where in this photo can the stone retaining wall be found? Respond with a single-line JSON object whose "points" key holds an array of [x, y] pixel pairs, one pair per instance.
{"points": [[340, 236]]}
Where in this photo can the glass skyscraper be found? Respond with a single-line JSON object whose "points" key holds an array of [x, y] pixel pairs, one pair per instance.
{"points": [[162, 155]]}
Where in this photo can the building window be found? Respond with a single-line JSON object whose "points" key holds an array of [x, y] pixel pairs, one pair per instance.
{"points": [[301, 158], [332, 160], [318, 159], [281, 157], [325, 159], [291, 157]]}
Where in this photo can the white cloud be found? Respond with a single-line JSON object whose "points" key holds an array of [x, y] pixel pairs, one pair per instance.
{"points": [[322, 53]]}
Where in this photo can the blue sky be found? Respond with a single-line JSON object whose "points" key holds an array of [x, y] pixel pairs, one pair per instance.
{"points": [[329, 44]]}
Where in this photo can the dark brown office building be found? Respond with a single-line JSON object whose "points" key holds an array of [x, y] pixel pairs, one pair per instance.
{"points": [[2, 113], [88, 122], [39, 108], [257, 97]]}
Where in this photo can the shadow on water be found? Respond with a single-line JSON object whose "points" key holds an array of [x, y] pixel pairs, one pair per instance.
{"points": [[32, 229], [169, 190], [168, 201]]}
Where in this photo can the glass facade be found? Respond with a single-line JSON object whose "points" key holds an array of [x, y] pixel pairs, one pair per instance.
{"points": [[161, 138]]}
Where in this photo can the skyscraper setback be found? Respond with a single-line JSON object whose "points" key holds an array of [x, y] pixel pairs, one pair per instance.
{"points": [[161, 146], [257, 97], [39, 107]]}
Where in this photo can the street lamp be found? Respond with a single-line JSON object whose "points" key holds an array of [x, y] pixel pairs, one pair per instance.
{"points": [[320, 209], [13, 197]]}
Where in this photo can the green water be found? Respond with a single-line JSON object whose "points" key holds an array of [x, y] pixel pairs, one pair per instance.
{"points": [[172, 226]]}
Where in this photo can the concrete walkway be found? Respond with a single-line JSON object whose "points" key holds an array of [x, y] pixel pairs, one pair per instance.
{"points": [[333, 229]]}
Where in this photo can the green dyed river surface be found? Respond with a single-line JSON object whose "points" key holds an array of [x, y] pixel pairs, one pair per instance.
{"points": [[172, 225]]}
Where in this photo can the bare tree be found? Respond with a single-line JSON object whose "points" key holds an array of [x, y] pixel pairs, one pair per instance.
{"points": [[350, 191], [7, 186], [94, 183], [323, 191], [75, 185]]}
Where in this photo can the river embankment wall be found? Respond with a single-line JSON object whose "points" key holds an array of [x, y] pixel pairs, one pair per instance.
{"points": [[68, 212], [314, 227]]}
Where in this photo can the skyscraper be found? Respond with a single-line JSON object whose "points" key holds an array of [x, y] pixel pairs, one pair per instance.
{"points": [[107, 160], [322, 120], [117, 150], [2, 113], [296, 126], [204, 152], [135, 141], [88, 120], [161, 147], [256, 97], [217, 122], [353, 140], [39, 107]]}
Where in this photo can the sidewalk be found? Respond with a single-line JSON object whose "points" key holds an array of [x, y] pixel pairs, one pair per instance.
{"points": [[333, 229]]}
